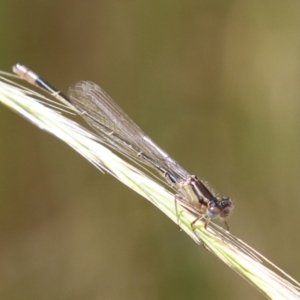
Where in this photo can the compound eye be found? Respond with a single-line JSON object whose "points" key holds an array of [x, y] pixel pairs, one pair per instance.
{"points": [[213, 212], [225, 212], [226, 206]]}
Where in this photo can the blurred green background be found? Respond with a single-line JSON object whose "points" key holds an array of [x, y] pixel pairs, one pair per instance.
{"points": [[215, 83]]}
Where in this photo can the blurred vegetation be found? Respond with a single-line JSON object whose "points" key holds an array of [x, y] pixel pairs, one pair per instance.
{"points": [[215, 83]]}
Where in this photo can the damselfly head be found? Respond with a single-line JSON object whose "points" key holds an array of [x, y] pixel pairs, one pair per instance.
{"points": [[220, 208]]}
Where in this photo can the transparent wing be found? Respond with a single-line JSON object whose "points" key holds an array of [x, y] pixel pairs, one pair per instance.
{"points": [[118, 130]]}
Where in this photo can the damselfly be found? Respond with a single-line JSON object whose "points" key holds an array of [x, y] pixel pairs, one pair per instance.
{"points": [[115, 128]]}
